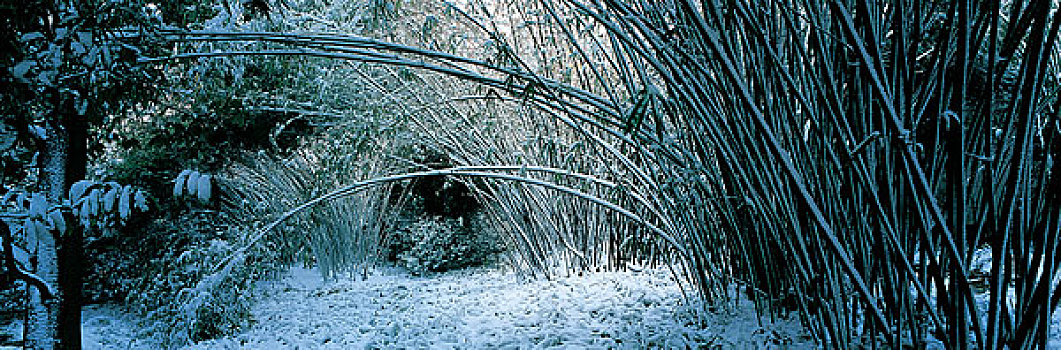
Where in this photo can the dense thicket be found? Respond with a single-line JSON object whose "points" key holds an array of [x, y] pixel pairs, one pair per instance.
{"points": [[867, 149], [845, 160]]}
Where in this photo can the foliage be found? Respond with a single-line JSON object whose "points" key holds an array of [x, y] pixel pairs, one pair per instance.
{"points": [[842, 140], [841, 159], [70, 68], [169, 292], [439, 244], [211, 114], [198, 123]]}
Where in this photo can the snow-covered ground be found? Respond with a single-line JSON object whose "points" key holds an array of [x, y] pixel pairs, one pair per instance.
{"points": [[471, 309], [486, 308], [104, 327], [477, 308]]}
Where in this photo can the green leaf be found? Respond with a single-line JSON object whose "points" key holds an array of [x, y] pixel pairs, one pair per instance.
{"points": [[637, 113]]}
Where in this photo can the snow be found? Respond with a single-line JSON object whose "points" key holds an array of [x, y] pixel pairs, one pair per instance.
{"points": [[106, 327], [11, 329], [102, 327], [486, 308], [479, 308]]}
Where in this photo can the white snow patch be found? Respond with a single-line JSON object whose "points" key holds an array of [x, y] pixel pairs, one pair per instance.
{"points": [[102, 327], [107, 327], [486, 308], [479, 308]]}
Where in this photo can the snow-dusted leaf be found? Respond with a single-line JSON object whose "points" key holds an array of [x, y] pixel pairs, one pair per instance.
{"points": [[38, 206], [82, 107], [85, 38], [8, 136], [78, 190], [38, 132], [36, 229], [30, 36], [29, 235], [204, 188], [9, 196], [93, 202], [178, 186], [85, 213], [58, 221], [90, 58], [140, 200], [125, 203], [193, 183], [48, 77], [22, 256], [22, 200], [21, 69], [78, 48], [110, 199]]}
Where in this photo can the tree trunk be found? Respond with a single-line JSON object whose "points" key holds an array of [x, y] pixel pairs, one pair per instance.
{"points": [[71, 247], [56, 324], [42, 324], [43, 315]]}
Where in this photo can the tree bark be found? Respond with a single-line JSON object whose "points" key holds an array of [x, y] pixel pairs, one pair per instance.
{"points": [[42, 331], [43, 315], [71, 247], [56, 323]]}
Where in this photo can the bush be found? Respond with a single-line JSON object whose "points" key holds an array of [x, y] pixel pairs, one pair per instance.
{"points": [[438, 244], [177, 288]]}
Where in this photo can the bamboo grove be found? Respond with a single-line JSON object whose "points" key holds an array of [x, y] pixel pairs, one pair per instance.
{"points": [[841, 159]]}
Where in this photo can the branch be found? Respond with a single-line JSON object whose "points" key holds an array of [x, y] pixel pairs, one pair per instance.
{"points": [[12, 266]]}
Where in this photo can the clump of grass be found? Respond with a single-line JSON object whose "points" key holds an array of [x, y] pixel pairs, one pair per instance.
{"points": [[340, 236]]}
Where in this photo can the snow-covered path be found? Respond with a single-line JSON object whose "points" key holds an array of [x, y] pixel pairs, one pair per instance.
{"points": [[477, 309], [488, 309]]}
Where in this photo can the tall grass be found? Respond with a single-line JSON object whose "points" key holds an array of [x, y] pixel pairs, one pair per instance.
{"points": [[344, 235], [840, 159]]}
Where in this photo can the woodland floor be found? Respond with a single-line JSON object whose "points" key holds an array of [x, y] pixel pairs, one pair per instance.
{"points": [[478, 309]]}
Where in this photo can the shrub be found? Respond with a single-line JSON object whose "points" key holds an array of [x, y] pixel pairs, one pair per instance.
{"points": [[438, 244], [177, 288]]}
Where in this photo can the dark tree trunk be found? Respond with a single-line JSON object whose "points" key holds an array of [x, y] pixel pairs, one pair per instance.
{"points": [[71, 246]]}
